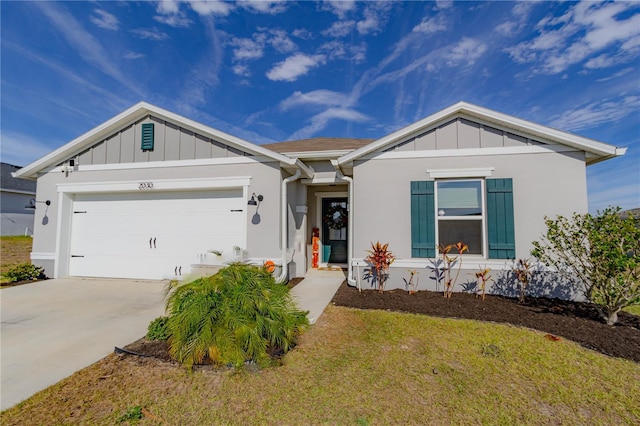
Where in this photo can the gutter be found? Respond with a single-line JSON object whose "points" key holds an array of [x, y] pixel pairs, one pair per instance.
{"points": [[350, 278], [284, 221]]}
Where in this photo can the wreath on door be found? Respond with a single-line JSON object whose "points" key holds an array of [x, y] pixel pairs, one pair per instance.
{"points": [[336, 217]]}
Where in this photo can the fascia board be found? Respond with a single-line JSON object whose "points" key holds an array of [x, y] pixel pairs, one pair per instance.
{"points": [[134, 113], [588, 145]]}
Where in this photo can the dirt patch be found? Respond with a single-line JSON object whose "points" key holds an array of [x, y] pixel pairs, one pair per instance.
{"points": [[574, 321]]}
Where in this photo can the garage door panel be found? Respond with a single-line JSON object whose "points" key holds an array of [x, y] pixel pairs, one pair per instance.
{"points": [[112, 238]]}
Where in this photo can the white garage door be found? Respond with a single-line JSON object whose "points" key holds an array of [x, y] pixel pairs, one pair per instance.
{"points": [[151, 235]]}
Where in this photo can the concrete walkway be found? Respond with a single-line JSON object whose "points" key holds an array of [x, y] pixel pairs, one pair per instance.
{"points": [[315, 292], [53, 328]]}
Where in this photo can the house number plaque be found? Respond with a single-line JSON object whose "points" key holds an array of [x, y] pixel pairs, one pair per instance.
{"points": [[142, 186]]}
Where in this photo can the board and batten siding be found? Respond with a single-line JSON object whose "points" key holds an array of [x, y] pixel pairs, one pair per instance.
{"points": [[461, 133], [171, 142]]}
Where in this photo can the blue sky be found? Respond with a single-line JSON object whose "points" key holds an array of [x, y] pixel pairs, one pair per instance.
{"points": [[274, 71]]}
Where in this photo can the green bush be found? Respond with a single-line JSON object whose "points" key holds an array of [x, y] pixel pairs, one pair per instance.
{"points": [[157, 329], [25, 272], [239, 314], [602, 252]]}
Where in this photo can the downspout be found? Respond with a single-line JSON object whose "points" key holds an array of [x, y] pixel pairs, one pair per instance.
{"points": [[284, 221], [350, 279]]}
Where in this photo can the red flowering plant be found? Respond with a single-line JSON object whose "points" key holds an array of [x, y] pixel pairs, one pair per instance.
{"points": [[380, 259]]}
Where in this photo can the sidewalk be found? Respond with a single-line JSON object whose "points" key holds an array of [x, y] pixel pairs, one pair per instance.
{"points": [[315, 292]]}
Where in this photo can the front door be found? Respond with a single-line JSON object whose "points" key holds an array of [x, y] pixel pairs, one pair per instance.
{"points": [[334, 230]]}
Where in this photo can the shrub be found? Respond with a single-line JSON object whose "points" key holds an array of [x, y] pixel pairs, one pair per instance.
{"points": [[25, 272], [449, 263], [157, 329], [523, 272], [380, 257], [602, 251], [239, 314]]}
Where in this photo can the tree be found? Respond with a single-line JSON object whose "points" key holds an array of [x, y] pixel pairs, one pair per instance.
{"points": [[602, 252]]}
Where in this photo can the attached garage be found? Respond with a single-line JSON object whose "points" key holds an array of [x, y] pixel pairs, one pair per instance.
{"points": [[152, 235]]}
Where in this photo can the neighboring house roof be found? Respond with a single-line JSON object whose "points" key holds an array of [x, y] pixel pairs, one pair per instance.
{"points": [[318, 144], [595, 151], [10, 184], [138, 112]]}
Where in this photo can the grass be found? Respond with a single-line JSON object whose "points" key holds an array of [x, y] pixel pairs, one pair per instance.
{"points": [[14, 250], [633, 309], [364, 367]]}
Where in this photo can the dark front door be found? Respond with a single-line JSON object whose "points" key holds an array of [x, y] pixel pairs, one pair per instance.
{"points": [[334, 230]]}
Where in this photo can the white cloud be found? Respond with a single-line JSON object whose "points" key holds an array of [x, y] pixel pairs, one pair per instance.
{"points": [[374, 19], [336, 49], [320, 121], [597, 113], [431, 25], [246, 49], [150, 34], [132, 55], [211, 7], [302, 33], [466, 50], [315, 98], [339, 29], [616, 75], [339, 7], [295, 66], [264, 6], [169, 13], [444, 4], [105, 20], [241, 70], [520, 13], [281, 41], [580, 35]]}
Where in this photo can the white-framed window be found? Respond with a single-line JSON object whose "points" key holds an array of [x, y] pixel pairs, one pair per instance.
{"points": [[460, 213]]}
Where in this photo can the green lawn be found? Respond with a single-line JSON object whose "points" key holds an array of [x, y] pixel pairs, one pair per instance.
{"points": [[364, 367]]}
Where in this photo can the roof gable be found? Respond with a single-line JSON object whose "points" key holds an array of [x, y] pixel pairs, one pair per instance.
{"points": [[499, 130], [91, 146]]}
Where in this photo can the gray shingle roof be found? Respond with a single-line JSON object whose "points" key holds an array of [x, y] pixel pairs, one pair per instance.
{"points": [[318, 144], [8, 182]]}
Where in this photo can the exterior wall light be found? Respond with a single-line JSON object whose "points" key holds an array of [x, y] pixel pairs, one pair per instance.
{"points": [[253, 202], [33, 201]]}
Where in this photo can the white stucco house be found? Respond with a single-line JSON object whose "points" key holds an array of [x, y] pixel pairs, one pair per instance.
{"points": [[148, 194]]}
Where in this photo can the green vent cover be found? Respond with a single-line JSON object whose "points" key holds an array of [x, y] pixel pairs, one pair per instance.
{"points": [[147, 137]]}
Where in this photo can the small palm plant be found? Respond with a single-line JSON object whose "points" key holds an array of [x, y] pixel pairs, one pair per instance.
{"points": [[239, 314], [381, 258]]}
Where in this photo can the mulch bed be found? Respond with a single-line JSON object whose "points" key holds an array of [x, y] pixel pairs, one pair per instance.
{"points": [[574, 321]]}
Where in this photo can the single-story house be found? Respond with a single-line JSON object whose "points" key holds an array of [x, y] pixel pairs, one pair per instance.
{"points": [[15, 196], [151, 195]]}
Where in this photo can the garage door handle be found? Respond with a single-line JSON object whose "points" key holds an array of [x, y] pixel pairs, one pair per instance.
{"points": [[150, 241], [236, 210], [76, 255], [154, 243]]}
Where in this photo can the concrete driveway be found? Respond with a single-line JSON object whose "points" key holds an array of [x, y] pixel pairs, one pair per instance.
{"points": [[54, 328]]}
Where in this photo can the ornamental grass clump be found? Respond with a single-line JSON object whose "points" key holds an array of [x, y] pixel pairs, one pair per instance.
{"points": [[239, 314]]}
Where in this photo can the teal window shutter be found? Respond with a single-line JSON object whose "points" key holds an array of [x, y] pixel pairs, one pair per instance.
{"points": [[423, 219], [502, 243], [147, 137]]}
